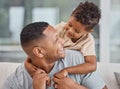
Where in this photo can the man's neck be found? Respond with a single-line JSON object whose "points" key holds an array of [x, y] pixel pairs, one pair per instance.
{"points": [[47, 67]]}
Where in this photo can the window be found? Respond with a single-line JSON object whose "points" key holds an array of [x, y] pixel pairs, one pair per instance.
{"points": [[115, 31], [15, 14]]}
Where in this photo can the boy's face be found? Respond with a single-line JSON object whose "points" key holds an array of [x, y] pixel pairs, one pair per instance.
{"points": [[74, 28]]}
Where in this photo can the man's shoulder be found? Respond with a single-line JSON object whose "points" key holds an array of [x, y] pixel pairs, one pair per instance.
{"points": [[73, 57], [19, 70], [17, 77], [17, 73], [72, 52]]}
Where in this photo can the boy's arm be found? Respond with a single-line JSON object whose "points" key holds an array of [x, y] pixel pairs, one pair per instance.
{"points": [[31, 69], [87, 67], [88, 50], [84, 68]]}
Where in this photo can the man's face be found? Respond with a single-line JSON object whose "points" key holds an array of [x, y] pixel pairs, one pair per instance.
{"points": [[53, 45], [74, 28]]}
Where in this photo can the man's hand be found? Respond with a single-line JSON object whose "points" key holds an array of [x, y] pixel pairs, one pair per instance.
{"points": [[61, 74], [66, 83], [40, 80]]}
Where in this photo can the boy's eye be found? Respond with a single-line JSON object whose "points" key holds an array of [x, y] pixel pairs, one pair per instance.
{"points": [[77, 31], [70, 25]]}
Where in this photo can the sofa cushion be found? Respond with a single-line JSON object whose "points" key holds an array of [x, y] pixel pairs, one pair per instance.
{"points": [[117, 76]]}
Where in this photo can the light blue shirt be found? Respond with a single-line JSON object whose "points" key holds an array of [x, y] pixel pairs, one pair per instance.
{"points": [[20, 79]]}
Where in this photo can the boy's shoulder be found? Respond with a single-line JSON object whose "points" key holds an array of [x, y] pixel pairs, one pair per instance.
{"points": [[90, 36], [61, 24], [60, 28]]}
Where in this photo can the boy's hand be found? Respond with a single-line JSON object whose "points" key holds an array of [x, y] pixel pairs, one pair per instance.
{"points": [[40, 80], [61, 74], [30, 67]]}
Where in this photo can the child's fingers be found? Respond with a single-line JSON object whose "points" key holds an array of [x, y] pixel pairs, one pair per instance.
{"points": [[40, 71], [34, 67], [55, 85], [49, 81]]}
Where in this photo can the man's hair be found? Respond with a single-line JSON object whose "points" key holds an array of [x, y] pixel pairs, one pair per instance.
{"points": [[87, 14], [32, 32]]}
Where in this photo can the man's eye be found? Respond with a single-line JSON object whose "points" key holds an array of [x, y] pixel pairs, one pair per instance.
{"points": [[56, 40]]}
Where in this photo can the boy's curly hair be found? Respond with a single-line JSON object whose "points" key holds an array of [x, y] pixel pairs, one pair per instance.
{"points": [[87, 14]]}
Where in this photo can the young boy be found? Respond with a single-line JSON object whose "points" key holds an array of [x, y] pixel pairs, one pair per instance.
{"points": [[77, 35]]}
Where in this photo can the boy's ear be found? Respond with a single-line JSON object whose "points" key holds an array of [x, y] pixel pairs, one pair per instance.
{"points": [[39, 52]]}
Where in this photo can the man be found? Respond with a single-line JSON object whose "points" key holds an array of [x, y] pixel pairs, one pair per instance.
{"points": [[45, 49]]}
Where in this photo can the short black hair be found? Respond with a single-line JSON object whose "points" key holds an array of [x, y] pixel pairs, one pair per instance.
{"points": [[32, 32], [87, 14]]}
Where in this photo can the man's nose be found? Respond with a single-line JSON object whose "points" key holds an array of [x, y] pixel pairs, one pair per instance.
{"points": [[62, 41], [66, 27]]}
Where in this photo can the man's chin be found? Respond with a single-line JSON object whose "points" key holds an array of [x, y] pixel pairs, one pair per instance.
{"points": [[62, 55]]}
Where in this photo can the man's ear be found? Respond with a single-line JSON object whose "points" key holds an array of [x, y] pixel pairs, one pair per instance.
{"points": [[39, 52]]}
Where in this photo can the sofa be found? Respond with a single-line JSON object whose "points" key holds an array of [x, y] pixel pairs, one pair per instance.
{"points": [[106, 70]]}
